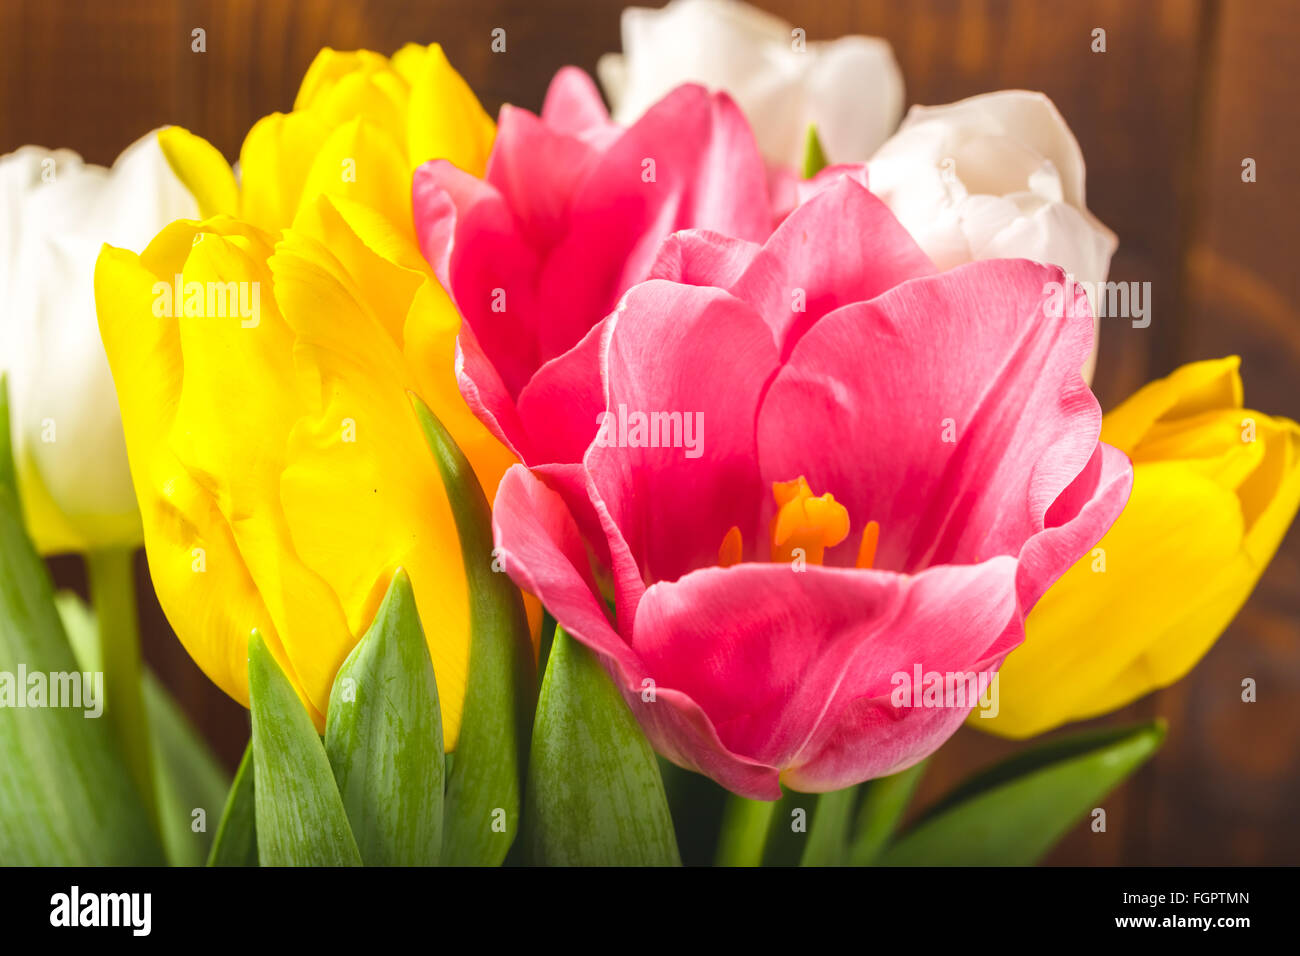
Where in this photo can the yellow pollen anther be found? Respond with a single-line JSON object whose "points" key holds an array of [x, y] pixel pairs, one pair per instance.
{"points": [[732, 548], [805, 522]]}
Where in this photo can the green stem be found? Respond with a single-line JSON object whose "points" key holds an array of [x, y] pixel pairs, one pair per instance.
{"points": [[828, 835], [744, 831], [884, 802], [112, 592]]}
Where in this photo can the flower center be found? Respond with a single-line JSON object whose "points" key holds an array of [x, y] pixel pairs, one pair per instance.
{"points": [[806, 523]]}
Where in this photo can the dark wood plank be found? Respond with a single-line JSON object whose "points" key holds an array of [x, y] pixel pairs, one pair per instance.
{"points": [[1226, 790]]}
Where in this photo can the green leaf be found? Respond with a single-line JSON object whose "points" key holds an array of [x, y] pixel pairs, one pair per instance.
{"points": [[235, 842], [383, 736], [884, 801], [66, 798], [300, 817], [814, 159], [594, 795], [1013, 814], [481, 814], [187, 776], [78, 620]]}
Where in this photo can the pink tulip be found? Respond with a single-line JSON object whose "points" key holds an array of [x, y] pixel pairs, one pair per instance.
{"points": [[892, 465], [569, 217]]}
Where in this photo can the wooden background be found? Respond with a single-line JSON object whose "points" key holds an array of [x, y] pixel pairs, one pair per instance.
{"points": [[1185, 91]]}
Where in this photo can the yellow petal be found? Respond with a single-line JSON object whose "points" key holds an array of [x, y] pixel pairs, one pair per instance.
{"points": [[1193, 628], [203, 170], [425, 329], [408, 61], [202, 582], [380, 98], [359, 162], [274, 162], [329, 67], [361, 492], [446, 120], [238, 403], [1191, 389]]}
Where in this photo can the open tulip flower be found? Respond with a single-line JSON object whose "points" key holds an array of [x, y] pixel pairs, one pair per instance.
{"points": [[286, 502], [891, 473]]}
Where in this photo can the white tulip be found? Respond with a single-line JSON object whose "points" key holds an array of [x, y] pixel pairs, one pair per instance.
{"points": [[995, 176], [850, 88], [55, 214]]}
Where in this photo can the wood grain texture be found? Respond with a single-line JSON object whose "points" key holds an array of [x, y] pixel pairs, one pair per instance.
{"points": [[1185, 91]]}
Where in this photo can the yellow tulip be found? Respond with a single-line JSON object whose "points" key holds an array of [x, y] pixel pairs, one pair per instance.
{"points": [[360, 125], [1215, 487], [281, 472]]}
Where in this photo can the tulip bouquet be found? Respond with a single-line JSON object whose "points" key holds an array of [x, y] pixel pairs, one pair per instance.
{"points": [[548, 485]]}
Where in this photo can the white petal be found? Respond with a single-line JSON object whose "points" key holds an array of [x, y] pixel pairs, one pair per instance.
{"points": [[850, 88], [1027, 117], [854, 95]]}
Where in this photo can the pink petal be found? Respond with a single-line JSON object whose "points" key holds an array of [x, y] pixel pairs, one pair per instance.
{"points": [[570, 216], [968, 355], [487, 396], [538, 171], [842, 246], [573, 107], [780, 660], [561, 405], [543, 553], [1076, 521], [674, 505], [707, 174], [790, 190], [470, 238], [702, 257]]}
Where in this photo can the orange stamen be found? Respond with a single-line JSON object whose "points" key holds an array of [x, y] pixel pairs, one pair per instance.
{"points": [[732, 548], [806, 522], [867, 549]]}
